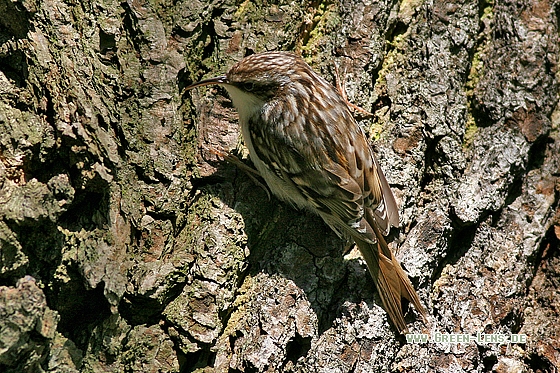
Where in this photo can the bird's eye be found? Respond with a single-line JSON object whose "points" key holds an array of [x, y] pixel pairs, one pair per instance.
{"points": [[248, 86]]}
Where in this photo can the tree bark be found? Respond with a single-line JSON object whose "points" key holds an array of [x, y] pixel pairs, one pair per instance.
{"points": [[128, 245]]}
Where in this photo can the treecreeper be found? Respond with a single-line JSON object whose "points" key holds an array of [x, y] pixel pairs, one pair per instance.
{"points": [[307, 146]]}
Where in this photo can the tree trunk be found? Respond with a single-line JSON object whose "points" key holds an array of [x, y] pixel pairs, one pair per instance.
{"points": [[128, 245]]}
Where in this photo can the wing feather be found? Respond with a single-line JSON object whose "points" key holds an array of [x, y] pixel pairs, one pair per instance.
{"points": [[337, 175]]}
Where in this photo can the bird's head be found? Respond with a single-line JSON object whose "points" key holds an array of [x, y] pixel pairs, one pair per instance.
{"points": [[262, 77]]}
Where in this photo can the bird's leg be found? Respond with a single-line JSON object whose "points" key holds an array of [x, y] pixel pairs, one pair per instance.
{"points": [[342, 90], [348, 246], [249, 171], [234, 160]]}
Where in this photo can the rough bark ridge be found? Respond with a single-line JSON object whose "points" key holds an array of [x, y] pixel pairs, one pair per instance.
{"points": [[127, 245]]}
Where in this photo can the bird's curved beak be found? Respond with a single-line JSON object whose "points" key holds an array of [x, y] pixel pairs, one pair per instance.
{"points": [[217, 80]]}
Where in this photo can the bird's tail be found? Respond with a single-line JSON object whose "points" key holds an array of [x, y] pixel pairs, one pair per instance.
{"points": [[390, 279]]}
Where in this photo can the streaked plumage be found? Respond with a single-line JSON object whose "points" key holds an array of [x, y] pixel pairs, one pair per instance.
{"points": [[305, 143]]}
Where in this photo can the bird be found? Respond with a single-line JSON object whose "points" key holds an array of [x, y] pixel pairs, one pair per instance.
{"points": [[307, 146]]}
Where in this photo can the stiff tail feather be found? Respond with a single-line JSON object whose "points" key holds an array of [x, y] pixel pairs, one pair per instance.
{"points": [[390, 279]]}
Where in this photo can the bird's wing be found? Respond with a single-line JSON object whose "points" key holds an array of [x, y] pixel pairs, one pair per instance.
{"points": [[386, 214], [337, 175]]}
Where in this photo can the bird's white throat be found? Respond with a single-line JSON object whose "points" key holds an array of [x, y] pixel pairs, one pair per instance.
{"points": [[245, 103]]}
